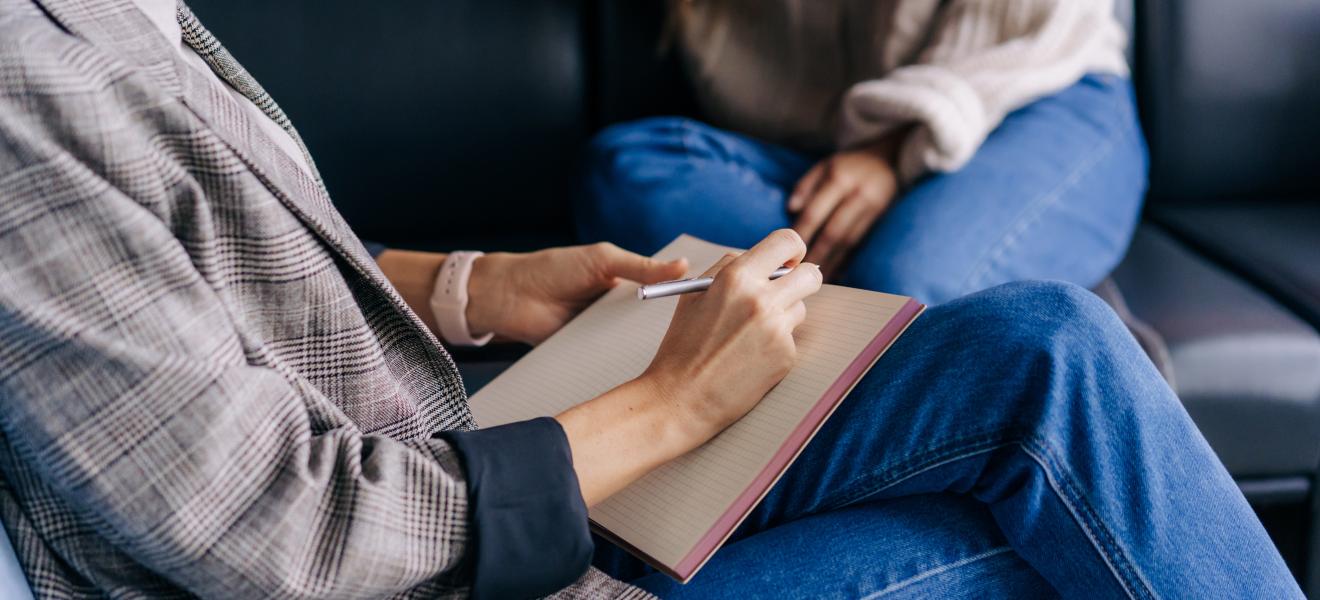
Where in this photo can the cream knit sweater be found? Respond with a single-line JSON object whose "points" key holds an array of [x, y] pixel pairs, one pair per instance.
{"points": [[826, 74]]}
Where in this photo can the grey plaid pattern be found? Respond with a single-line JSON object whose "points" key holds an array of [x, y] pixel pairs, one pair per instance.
{"points": [[207, 388]]}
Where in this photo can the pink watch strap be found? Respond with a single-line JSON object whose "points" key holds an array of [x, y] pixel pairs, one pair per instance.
{"points": [[449, 300]]}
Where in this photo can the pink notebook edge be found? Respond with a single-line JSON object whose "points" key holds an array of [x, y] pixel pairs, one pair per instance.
{"points": [[788, 452]]}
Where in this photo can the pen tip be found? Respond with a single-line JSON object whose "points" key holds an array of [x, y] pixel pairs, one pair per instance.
{"points": [[641, 293]]}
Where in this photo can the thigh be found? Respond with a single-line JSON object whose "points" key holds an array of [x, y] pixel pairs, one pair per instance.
{"points": [[966, 375], [937, 546], [1033, 399], [648, 181], [1054, 192]]}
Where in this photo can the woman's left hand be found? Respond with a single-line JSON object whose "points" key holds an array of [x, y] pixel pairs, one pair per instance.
{"points": [[528, 297], [840, 198]]}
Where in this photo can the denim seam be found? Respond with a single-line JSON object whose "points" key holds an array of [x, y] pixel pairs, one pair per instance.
{"points": [[967, 452], [927, 574], [989, 441], [1032, 215], [915, 463], [1113, 553]]}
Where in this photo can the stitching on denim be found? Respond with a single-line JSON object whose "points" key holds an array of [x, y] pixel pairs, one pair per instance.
{"points": [[936, 464], [915, 463], [1124, 570], [1031, 215], [924, 575]]}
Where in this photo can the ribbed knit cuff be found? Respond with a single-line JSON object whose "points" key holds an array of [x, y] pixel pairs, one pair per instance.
{"points": [[949, 118], [530, 527]]}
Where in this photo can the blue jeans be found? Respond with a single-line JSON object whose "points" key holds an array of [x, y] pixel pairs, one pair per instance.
{"points": [[1053, 193], [1014, 443]]}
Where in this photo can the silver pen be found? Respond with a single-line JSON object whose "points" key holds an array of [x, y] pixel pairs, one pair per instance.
{"points": [[683, 286]]}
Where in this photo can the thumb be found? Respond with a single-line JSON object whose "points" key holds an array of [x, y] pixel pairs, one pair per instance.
{"points": [[653, 271], [642, 269]]}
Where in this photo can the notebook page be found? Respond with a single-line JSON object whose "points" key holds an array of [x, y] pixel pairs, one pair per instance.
{"points": [[667, 512]]}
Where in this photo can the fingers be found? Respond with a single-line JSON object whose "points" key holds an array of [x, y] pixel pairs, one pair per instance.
{"points": [[781, 247], [802, 281], [720, 264], [711, 272], [851, 220], [819, 207], [614, 261], [795, 315], [806, 187], [854, 238]]}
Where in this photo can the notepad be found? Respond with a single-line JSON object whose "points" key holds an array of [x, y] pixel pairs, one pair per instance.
{"points": [[678, 515]]}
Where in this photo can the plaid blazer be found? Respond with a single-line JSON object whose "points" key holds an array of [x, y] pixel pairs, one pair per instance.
{"points": [[207, 387]]}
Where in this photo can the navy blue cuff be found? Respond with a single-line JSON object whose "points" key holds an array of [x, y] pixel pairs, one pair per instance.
{"points": [[529, 521], [374, 248]]}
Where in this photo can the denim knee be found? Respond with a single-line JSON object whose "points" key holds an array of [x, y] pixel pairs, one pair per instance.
{"points": [[1055, 326], [1068, 300], [615, 153], [615, 141], [1070, 351], [619, 162]]}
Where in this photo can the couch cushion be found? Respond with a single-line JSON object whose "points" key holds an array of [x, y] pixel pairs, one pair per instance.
{"points": [[1247, 369], [1274, 246]]}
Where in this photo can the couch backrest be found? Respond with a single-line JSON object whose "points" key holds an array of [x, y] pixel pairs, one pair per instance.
{"points": [[636, 76], [1230, 94], [470, 105], [473, 109]]}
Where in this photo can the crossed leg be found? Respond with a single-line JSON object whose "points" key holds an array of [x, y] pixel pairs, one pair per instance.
{"points": [[1032, 401]]}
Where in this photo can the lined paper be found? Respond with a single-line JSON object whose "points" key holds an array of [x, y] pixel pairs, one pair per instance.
{"points": [[666, 513]]}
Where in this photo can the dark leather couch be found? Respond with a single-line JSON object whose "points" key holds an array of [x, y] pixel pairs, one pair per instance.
{"points": [[459, 124]]}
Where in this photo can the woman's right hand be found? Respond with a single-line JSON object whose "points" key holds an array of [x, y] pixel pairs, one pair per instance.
{"points": [[724, 350], [728, 346]]}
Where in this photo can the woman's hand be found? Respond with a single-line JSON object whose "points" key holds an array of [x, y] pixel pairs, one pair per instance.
{"points": [[528, 297], [840, 198], [725, 349], [728, 346]]}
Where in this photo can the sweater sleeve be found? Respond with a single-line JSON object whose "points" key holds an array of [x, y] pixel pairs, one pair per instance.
{"points": [[984, 59]]}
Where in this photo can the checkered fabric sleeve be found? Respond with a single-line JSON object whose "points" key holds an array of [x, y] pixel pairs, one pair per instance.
{"points": [[207, 388], [125, 388]]}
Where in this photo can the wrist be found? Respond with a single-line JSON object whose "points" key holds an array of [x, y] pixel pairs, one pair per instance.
{"points": [[450, 300], [891, 145], [623, 434], [414, 275], [683, 406], [887, 147], [486, 301]]}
